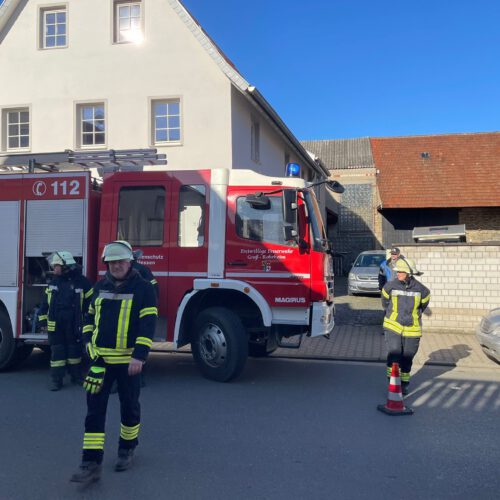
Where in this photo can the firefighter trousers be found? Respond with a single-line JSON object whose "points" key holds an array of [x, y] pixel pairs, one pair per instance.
{"points": [[401, 350], [65, 349], [129, 388]]}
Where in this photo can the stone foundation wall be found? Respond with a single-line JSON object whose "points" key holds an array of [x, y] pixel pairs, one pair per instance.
{"points": [[464, 280]]}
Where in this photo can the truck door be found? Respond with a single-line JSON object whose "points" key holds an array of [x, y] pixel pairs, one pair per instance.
{"points": [[140, 215], [257, 251]]}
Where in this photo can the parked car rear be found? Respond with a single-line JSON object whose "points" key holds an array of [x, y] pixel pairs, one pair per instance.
{"points": [[488, 334], [363, 276]]}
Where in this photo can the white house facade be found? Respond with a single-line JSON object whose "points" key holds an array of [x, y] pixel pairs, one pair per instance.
{"points": [[115, 74]]}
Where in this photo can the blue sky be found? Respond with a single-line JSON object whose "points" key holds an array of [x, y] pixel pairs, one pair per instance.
{"points": [[353, 68]]}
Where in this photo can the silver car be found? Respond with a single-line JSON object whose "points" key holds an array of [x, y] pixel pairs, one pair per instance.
{"points": [[363, 276], [488, 334]]}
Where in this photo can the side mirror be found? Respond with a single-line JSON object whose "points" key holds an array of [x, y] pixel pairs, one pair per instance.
{"points": [[259, 201], [290, 207], [335, 187]]}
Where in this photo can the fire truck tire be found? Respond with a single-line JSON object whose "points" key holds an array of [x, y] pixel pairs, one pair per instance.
{"points": [[7, 342], [220, 344]]}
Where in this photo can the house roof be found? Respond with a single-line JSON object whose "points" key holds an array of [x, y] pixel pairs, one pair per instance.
{"points": [[455, 170], [342, 153], [227, 67]]}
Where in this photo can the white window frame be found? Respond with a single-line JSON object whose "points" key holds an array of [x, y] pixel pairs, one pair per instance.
{"points": [[152, 121], [42, 37], [117, 31], [255, 141], [79, 124], [6, 135]]}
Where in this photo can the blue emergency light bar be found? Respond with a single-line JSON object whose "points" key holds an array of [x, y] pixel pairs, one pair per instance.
{"points": [[293, 170]]}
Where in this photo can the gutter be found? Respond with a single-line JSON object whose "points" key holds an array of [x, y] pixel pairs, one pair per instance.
{"points": [[314, 162]]}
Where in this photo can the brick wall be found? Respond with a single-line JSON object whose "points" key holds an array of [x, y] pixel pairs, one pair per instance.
{"points": [[464, 280], [481, 224]]}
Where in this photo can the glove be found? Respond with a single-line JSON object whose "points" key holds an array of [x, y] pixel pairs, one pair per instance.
{"points": [[95, 379]]}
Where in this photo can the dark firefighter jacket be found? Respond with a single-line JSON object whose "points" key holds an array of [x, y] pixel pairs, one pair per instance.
{"points": [[69, 292], [146, 274], [404, 303], [121, 319]]}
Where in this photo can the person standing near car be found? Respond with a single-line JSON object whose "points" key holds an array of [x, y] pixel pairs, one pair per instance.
{"points": [[386, 272], [61, 314], [404, 300], [119, 329]]}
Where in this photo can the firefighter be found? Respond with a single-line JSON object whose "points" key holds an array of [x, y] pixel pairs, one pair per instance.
{"points": [[146, 274], [404, 299], [118, 332], [67, 299]]}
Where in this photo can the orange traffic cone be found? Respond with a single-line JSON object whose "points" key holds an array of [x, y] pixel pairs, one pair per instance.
{"points": [[395, 404]]}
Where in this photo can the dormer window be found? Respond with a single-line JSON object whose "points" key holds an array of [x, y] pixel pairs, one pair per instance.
{"points": [[53, 27], [128, 23]]}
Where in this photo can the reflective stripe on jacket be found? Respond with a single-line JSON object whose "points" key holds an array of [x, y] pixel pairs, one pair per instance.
{"points": [[404, 303], [121, 320]]}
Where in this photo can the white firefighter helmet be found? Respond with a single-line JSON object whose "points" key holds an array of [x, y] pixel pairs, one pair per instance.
{"points": [[61, 258], [406, 266], [117, 250]]}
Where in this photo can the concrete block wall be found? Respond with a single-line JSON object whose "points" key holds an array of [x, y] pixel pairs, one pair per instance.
{"points": [[464, 280]]}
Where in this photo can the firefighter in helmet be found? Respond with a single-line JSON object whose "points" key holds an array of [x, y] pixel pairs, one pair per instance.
{"points": [[67, 299], [118, 333], [404, 299]]}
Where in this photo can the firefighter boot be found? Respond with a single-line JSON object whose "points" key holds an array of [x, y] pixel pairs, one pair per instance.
{"points": [[56, 384], [87, 472], [124, 460]]}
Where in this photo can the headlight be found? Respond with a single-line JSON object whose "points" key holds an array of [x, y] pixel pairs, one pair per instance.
{"points": [[352, 276]]}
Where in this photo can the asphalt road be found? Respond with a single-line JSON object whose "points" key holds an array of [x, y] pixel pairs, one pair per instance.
{"points": [[287, 429]]}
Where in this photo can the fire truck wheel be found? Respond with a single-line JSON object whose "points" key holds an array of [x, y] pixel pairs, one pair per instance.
{"points": [[7, 342], [220, 344]]}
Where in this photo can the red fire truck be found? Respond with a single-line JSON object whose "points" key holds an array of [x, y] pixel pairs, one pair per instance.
{"points": [[242, 259]]}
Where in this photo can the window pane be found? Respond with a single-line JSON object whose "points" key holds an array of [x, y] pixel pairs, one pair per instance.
{"points": [[136, 10], [87, 127], [13, 129], [261, 225], [161, 135], [13, 142], [99, 138], [24, 117], [50, 29], [99, 113], [61, 17], [135, 24], [50, 41], [174, 122], [124, 23], [87, 139], [161, 122], [25, 129], [51, 18], [87, 113], [141, 215], [191, 225], [99, 125], [13, 117], [123, 11], [61, 41], [160, 108], [174, 135], [61, 29], [173, 108], [25, 141]]}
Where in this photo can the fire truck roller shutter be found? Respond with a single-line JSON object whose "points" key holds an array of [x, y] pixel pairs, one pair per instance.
{"points": [[55, 224], [9, 249]]}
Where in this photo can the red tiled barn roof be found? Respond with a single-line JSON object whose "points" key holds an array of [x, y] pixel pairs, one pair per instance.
{"points": [[461, 170]]}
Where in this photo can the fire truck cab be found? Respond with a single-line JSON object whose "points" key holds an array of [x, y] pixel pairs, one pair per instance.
{"points": [[241, 259]]}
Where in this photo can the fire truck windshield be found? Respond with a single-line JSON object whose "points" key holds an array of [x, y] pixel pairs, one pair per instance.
{"points": [[320, 242]]}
